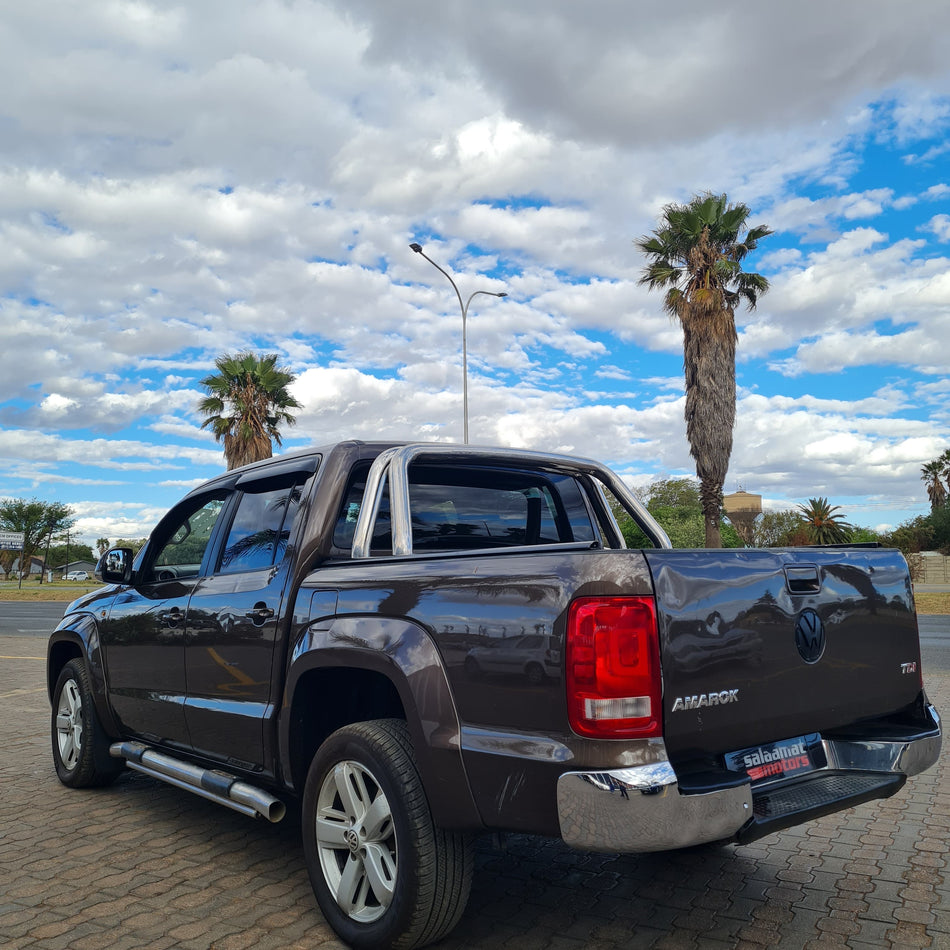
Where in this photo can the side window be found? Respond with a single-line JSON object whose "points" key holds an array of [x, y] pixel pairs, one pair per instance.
{"points": [[575, 511], [457, 509], [350, 512], [260, 530], [182, 553]]}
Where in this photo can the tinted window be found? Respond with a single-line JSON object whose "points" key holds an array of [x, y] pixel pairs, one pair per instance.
{"points": [[350, 512], [182, 554], [260, 529], [459, 508], [495, 508]]}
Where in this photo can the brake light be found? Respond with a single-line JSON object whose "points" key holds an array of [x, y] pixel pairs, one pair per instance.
{"points": [[613, 668]]}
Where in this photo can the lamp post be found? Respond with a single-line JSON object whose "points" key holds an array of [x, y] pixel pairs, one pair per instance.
{"points": [[464, 306]]}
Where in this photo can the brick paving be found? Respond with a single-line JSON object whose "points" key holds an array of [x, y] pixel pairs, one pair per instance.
{"points": [[142, 865]]}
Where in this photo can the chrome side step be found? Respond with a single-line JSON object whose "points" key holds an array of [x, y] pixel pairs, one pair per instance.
{"points": [[212, 784]]}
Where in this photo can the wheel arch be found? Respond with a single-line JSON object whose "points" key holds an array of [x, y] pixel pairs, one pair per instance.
{"points": [[77, 638], [353, 669]]}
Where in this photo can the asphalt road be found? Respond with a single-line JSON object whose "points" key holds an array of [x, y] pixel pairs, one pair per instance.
{"points": [[935, 642], [30, 618]]}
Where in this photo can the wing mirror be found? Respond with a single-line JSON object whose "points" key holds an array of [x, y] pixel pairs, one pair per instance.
{"points": [[115, 566]]}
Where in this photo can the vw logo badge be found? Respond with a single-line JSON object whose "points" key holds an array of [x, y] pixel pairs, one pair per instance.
{"points": [[810, 636]]}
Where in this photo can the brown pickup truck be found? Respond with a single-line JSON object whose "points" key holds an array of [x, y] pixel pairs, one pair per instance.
{"points": [[422, 642]]}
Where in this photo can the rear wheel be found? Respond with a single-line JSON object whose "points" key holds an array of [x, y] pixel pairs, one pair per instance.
{"points": [[80, 746], [383, 873]]}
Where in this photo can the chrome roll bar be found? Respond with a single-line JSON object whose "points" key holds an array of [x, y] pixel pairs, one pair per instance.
{"points": [[391, 467]]}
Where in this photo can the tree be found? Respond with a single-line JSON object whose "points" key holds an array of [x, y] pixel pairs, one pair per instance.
{"points": [[696, 255], [248, 400], [912, 537], [822, 524], [779, 529], [933, 474], [38, 520], [136, 544], [62, 555], [675, 504], [859, 535]]}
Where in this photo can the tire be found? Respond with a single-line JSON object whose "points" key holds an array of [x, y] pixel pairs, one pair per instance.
{"points": [[80, 746], [535, 674], [383, 874]]}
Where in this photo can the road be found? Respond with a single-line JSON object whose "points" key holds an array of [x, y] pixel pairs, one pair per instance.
{"points": [[935, 642], [30, 618]]}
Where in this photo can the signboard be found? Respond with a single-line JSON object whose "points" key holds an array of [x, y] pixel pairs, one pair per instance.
{"points": [[11, 540]]}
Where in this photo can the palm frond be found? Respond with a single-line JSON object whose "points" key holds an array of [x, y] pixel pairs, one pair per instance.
{"points": [[248, 401]]}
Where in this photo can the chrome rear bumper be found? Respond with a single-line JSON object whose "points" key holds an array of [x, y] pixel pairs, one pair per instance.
{"points": [[643, 808]]}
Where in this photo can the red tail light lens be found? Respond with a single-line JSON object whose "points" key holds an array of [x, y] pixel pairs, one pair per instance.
{"points": [[613, 668]]}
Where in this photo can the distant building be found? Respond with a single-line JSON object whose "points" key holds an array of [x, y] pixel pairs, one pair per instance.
{"points": [[742, 508], [36, 566], [88, 566]]}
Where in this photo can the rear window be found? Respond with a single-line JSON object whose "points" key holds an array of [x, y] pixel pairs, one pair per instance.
{"points": [[458, 509], [260, 529]]}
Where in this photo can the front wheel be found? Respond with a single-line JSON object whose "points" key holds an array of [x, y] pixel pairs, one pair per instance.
{"points": [[384, 875], [80, 746]]}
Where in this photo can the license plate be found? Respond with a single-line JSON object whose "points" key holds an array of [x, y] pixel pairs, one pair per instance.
{"points": [[776, 760]]}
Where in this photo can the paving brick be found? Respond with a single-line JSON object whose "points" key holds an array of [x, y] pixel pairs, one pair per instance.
{"points": [[142, 865]]}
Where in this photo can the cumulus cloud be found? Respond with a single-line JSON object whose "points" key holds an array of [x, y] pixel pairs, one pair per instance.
{"points": [[940, 225]]}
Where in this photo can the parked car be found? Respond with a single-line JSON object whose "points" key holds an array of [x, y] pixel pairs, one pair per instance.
{"points": [[76, 576], [533, 655]]}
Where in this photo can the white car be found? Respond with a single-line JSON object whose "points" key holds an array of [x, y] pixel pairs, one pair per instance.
{"points": [[76, 576]]}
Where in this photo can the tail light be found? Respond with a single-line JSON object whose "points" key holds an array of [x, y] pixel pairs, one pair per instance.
{"points": [[613, 668]]}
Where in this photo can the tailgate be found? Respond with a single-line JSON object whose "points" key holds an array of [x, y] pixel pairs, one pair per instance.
{"points": [[766, 645]]}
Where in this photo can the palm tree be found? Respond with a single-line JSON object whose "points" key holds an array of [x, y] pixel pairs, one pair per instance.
{"points": [[696, 255], [248, 401], [944, 460], [933, 473], [822, 524]]}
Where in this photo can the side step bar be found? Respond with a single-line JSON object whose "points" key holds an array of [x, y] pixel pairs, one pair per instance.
{"points": [[212, 784]]}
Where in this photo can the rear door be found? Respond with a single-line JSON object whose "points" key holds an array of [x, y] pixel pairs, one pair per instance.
{"points": [[766, 645]]}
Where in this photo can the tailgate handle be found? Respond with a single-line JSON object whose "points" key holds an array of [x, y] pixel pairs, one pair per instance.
{"points": [[803, 579]]}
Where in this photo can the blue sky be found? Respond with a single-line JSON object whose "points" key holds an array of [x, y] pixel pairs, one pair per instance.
{"points": [[179, 181]]}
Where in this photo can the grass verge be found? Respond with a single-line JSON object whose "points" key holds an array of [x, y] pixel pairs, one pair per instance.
{"points": [[63, 591], [932, 603]]}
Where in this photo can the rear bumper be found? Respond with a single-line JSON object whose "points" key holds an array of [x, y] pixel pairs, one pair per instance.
{"points": [[645, 809]]}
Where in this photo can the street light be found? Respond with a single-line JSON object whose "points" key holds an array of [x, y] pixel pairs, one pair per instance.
{"points": [[490, 293]]}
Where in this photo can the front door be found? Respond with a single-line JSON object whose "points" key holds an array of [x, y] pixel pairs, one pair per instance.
{"points": [[143, 636]]}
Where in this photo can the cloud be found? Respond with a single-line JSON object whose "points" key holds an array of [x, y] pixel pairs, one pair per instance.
{"points": [[661, 78], [940, 225]]}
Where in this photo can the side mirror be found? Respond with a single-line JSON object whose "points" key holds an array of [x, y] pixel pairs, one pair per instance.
{"points": [[115, 566]]}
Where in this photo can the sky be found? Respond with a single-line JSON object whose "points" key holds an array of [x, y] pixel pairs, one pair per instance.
{"points": [[178, 181]]}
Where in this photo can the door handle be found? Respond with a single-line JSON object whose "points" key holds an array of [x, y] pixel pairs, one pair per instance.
{"points": [[170, 618], [260, 613], [803, 580]]}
